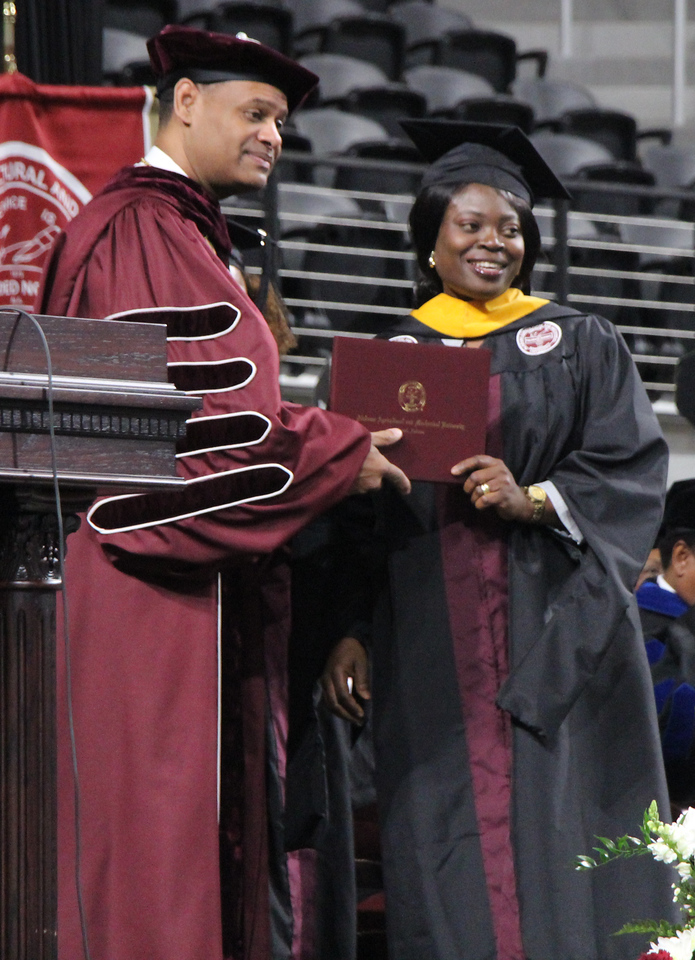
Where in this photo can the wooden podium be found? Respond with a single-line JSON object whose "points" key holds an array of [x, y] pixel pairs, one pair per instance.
{"points": [[116, 421]]}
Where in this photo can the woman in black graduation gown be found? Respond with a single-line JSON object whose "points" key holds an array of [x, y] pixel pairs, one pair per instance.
{"points": [[513, 713]]}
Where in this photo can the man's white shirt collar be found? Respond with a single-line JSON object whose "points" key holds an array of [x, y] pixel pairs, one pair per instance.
{"points": [[156, 157], [664, 584]]}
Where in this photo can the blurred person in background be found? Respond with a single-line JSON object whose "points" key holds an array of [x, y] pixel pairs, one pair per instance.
{"points": [[668, 622]]}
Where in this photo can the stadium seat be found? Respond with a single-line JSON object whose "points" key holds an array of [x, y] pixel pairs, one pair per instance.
{"points": [[271, 24], [189, 7], [340, 75], [145, 17], [372, 38], [311, 17], [567, 154], [332, 132], [344, 278], [614, 129], [489, 54], [399, 171], [672, 165], [123, 50], [614, 202], [664, 249], [291, 170], [427, 21], [500, 108], [551, 98], [387, 104], [445, 87]]}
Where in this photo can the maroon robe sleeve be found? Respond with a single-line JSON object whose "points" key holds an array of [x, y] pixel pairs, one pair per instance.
{"points": [[258, 469]]}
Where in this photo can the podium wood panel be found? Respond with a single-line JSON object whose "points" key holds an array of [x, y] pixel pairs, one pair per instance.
{"points": [[28, 800], [116, 422], [29, 580]]}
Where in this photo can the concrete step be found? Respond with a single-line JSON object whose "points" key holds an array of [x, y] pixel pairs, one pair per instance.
{"points": [[651, 39], [621, 51], [549, 10]]}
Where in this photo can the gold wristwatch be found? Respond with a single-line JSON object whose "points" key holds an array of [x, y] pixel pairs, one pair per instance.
{"points": [[537, 496]]}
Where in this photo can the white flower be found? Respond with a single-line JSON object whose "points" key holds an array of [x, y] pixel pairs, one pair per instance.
{"points": [[684, 833], [680, 947], [661, 851], [674, 841], [687, 819]]}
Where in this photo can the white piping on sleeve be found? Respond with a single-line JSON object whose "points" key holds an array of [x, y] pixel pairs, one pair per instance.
{"points": [[122, 314], [195, 513], [227, 446], [216, 363]]}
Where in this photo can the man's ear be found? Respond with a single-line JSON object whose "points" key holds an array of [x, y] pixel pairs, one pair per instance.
{"points": [[680, 555], [186, 94]]}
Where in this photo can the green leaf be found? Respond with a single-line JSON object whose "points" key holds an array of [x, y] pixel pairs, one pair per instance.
{"points": [[660, 928]]}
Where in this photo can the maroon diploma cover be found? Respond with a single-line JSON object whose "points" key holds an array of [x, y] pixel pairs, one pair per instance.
{"points": [[437, 395]]}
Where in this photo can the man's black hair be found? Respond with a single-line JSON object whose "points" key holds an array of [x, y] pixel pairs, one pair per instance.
{"points": [[670, 538]]}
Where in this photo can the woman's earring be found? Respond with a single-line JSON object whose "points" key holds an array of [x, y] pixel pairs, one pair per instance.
{"points": [[431, 261]]}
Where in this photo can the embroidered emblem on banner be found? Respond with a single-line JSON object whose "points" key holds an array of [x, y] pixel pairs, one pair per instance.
{"points": [[542, 338], [38, 197], [411, 396], [403, 338]]}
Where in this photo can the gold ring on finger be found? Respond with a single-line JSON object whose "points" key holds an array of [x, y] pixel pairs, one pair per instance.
{"points": [[484, 489]]}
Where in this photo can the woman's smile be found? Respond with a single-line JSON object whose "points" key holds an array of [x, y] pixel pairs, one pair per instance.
{"points": [[487, 268]]}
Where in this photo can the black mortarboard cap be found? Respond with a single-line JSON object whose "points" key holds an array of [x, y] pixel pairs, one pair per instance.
{"points": [[498, 155], [205, 57], [679, 510]]}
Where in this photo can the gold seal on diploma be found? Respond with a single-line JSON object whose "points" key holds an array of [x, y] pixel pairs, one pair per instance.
{"points": [[411, 396]]}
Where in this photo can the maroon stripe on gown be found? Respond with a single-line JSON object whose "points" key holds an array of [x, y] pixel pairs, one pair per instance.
{"points": [[301, 864], [474, 555], [243, 811]]}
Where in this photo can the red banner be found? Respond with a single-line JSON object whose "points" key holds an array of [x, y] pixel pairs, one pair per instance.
{"points": [[58, 146]]}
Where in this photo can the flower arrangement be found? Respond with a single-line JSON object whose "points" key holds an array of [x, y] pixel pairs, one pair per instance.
{"points": [[672, 843]]}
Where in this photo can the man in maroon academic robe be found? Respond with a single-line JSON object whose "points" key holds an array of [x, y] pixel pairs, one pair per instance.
{"points": [[159, 582]]}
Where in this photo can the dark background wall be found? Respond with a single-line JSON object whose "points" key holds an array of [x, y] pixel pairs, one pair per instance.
{"points": [[59, 41]]}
